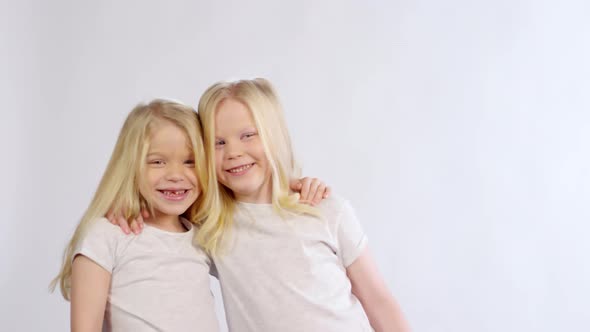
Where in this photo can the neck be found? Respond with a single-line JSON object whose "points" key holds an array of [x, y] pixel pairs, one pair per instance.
{"points": [[166, 223]]}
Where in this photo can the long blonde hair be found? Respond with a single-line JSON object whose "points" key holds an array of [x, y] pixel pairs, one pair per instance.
{"points": [[119, 187], [261, 100]]}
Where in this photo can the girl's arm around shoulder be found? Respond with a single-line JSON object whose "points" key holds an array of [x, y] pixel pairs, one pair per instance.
{"points": [[369, 287], [90, 288]]}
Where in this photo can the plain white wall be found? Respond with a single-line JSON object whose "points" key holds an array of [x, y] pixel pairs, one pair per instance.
{"points": [[459, 130]]}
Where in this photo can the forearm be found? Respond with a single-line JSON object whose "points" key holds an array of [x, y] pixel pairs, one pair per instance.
{"points": [[385, 314], [81, 322], [368, 286]]}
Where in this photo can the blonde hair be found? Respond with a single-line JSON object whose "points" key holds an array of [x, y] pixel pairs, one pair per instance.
{"points": [[261, 100], [119, 187]]}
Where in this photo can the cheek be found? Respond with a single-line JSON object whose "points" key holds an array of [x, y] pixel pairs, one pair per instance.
{"points": [[219, 173], [260, 155], [258, 150], [148, 181], [191, 175], [218, 161]]}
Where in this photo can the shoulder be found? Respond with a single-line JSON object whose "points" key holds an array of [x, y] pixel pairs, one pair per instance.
{"points": [[334, 206], [102, 228], [103, 225], [336, 209], [101, 243]]}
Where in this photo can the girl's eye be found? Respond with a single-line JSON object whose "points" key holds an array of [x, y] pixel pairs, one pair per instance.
{"points": [[219, 143], [156, 162], [190, 162], [248, 135]]}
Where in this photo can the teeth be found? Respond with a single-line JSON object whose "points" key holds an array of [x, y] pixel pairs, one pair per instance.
{"points": [[177, 192], [240, 169]]}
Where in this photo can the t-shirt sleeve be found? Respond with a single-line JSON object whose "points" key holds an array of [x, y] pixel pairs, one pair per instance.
{"points": [[352, 240], [99, 244]]}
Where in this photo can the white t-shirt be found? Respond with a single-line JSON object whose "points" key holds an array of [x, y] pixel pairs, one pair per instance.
{"points": [[159, 280], [290, 274]]}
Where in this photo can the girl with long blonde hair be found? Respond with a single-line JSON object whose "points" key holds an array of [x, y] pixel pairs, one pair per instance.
{"points": [[157, 280], [282, 265]]}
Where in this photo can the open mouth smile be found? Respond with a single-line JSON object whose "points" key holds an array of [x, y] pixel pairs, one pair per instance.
{"points": [[240, 169], [174, 195]]}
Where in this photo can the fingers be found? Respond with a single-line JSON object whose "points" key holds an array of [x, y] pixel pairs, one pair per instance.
{"points": [[122, 222], [135, 226], [118, 220], [295, 185], [145, 214], [311, 190], [327, 192], [319, 193], [138, 223], [305, 188], [111, 218]]}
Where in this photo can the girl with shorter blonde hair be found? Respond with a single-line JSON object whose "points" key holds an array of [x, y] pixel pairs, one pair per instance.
{"points": [[282, 265], [157, 280]]}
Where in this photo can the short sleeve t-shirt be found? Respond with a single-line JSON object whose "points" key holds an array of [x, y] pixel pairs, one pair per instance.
{"points": [[159, 279], [289, 274]]}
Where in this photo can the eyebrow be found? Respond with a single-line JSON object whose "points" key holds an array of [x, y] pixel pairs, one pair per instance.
{"points": [[189, 151], [243, 130], [154, 154]]}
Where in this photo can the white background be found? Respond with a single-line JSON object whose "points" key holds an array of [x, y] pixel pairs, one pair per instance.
{"points": [[458, 129]]}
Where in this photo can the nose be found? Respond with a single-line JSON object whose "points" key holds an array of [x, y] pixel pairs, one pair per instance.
{"points": [[175, 172], [234, 150]]}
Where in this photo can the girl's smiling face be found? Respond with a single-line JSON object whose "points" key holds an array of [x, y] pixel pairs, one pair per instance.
{"points": [[170, 182], [240, 162]]}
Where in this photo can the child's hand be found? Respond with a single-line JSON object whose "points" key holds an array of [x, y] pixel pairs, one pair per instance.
{"points": [[136, 225], [311, 190]]}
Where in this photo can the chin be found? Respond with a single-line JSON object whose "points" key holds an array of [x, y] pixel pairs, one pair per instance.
{"points": [[243, 190], [172, 210], [244, 186]]}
